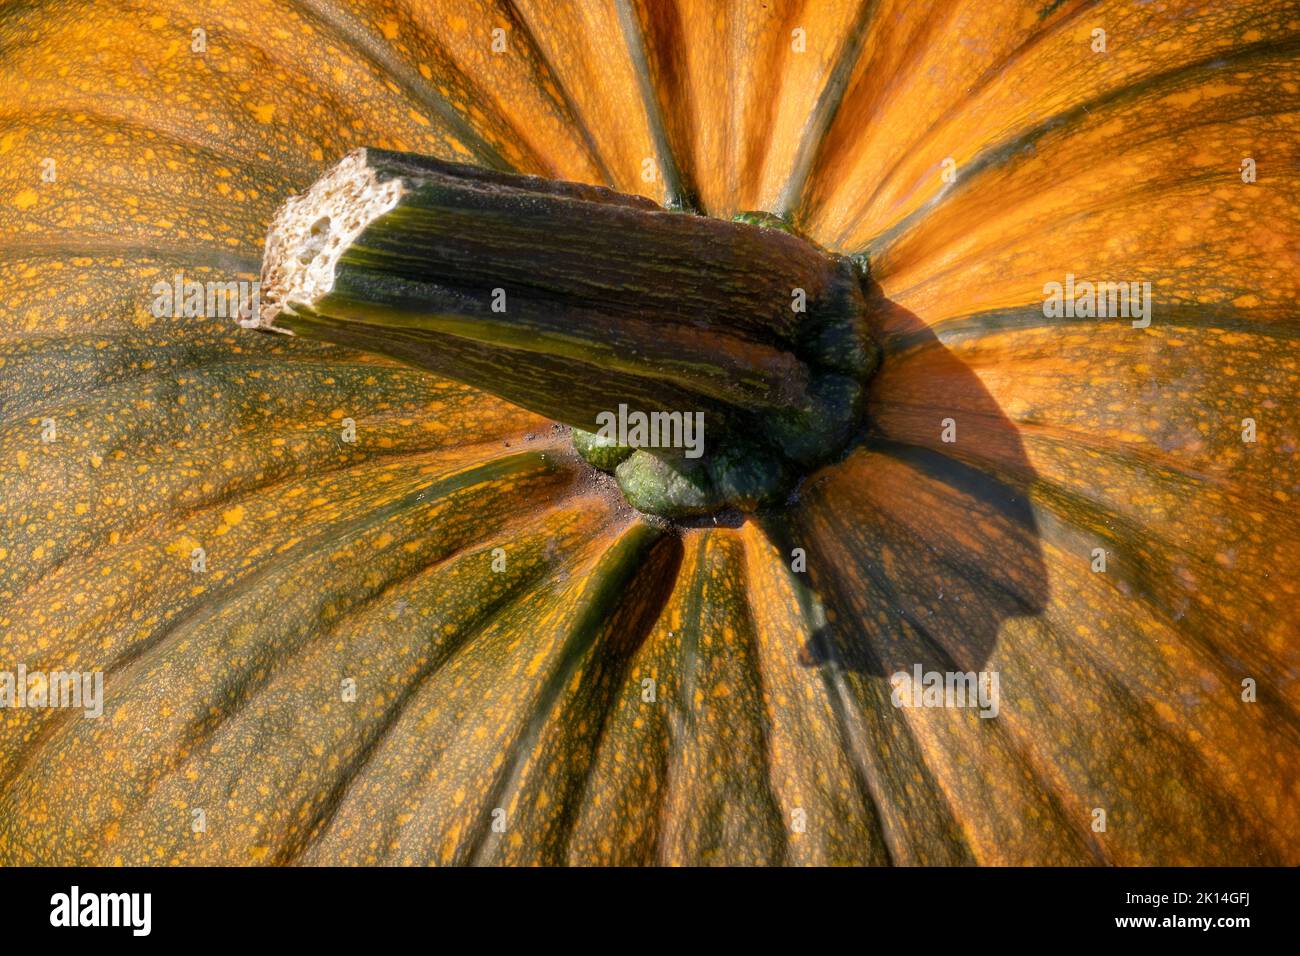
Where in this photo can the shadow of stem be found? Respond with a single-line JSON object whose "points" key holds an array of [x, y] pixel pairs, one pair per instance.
{"points": [[921, 542]]}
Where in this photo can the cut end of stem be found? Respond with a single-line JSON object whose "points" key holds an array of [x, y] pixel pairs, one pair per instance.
{"points": [[311, 232]]}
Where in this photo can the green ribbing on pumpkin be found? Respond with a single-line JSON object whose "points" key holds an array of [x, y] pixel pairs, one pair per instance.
{"points": [[573, 301]]}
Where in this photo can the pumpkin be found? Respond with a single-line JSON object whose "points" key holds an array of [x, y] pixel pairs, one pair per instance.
{"points": [[349, 610]]}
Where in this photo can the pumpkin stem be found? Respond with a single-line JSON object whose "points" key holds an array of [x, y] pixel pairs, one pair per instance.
{"points": [[582, 304]]}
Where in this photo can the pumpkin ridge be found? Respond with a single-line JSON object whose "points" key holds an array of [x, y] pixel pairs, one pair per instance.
{"points": [[78, 117], [577, 642], [549, 78], [323, 815], [998, 154], [1143, 458], [1070, 810], [140, 656], [1151, 578], [763, 693], [679, 186], [344, 27], [960, 329], [466, 478], [641, 551], [510, 599], [201, 253], [900, 843], [710, 578], [451, 482], [991, 73], [880, 250], [1146, 458], [792, 201], [851, 714]]}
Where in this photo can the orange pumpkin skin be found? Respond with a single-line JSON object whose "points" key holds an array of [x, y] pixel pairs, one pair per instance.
{"points": [[613, 691]]}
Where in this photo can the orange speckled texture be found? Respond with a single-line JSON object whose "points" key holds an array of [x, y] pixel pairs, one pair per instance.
{"points": [[542, 676]]}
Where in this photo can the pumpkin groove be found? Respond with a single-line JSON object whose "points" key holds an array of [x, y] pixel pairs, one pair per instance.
{"points": [[522, 690]]}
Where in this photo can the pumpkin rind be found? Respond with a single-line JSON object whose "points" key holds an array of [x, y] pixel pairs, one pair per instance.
{"points": [[373, 560]]}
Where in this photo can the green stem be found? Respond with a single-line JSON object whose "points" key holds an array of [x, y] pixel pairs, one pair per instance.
{"points": [[572, 300]]}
